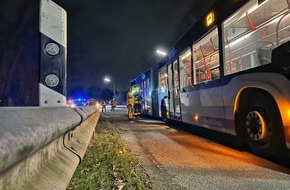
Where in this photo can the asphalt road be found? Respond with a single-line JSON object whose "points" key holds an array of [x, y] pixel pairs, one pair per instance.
{"points": [[176, 157]]}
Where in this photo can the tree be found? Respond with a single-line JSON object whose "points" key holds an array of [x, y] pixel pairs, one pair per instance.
{"points": [[94, 92], [106, 94]]}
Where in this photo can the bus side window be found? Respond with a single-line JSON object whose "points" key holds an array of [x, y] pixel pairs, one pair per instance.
{"points": [[163, 81], [250, 35], [206, 58], [185, 69]]}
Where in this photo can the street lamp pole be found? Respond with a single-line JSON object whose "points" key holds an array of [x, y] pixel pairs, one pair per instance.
{"points": [[106, 79], [114, 89]]}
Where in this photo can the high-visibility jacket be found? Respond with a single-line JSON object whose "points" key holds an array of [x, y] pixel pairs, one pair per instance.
{"points": [[130, 98]]}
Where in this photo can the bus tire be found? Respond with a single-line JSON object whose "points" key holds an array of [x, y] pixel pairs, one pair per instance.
{"points": [[262, 126]]}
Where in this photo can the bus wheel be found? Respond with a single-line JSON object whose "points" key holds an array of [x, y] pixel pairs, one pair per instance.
{"points": [[262, 126]]}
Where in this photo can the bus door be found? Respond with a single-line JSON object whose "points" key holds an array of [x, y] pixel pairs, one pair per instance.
{"points": [[185, 76], [206, 98], [143, 94], [162, 87], [170, 90], [146, 98], [175, 97]]}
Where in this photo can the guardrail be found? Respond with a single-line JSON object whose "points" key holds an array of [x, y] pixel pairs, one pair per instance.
{"points": [[40, 148]]}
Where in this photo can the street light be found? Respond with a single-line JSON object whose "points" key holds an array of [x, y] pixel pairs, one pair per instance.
{"points": [[107, 79], [161, 52]]}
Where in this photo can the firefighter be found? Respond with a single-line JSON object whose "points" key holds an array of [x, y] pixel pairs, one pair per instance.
{"points": [[113, 104], [103, 105], [137, 104], [130, 105], [163, 108]]}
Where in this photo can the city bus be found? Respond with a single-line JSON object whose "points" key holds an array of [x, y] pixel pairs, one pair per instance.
{"points": [[230, 73]]}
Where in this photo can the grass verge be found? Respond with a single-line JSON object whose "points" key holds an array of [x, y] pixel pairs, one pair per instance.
{"points": [[107, 164]]}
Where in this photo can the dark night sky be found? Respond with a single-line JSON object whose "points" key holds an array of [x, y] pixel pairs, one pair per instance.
{"points": [[119, 38]]}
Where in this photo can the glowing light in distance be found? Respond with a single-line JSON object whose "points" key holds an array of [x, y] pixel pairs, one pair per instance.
{"points": [[161, 52], [107, 79]]}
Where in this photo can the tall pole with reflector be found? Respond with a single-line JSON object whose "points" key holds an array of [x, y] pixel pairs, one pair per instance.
{"points": [[53, 56]]}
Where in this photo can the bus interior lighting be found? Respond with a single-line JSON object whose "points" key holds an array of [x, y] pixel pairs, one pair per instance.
{"points": [[239, 40], [255, 7], [186, 55]]}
